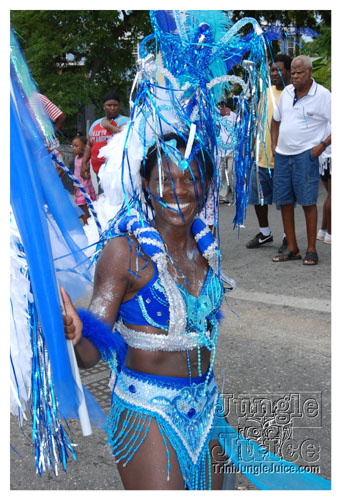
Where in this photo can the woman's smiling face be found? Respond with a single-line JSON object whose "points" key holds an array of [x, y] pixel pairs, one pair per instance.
{"points": [[182, 192]]}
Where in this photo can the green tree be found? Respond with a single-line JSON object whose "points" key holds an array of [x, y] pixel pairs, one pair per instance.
{"points": [[76, 56], [318, 20], [287, 18], [320, 51], [313, 19]]}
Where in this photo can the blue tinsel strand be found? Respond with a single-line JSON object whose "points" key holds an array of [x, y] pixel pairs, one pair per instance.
{"points": [[51, 444]]}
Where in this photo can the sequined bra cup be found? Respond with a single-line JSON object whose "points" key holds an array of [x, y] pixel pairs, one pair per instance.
{"points": [[150, 307]]}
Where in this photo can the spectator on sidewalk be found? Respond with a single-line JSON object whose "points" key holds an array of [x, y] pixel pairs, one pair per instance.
{"points": [[56, 115], [325, 233], [280, 78], [100, 131], [78, 146], [225, 165], [300, 132], [225, 157]]}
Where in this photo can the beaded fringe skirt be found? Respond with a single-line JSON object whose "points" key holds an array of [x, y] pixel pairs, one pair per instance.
{"points": [[184, 410], [190, 414]]}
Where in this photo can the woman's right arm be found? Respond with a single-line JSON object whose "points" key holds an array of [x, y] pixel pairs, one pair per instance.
{"points": [[110, 285]]}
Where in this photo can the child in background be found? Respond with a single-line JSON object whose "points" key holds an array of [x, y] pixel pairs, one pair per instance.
{"points": [[78, 145]]}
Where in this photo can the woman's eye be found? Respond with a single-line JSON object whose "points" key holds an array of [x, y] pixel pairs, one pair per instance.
{"points": [[193, 179]]}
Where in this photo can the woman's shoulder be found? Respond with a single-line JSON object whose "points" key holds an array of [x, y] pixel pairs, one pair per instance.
{"points": [[121, 260], [120, 252], [114, 262], [118, 248]]}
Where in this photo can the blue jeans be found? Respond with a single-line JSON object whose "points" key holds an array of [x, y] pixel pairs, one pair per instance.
{"points": [[296, 179], [266, 182]]}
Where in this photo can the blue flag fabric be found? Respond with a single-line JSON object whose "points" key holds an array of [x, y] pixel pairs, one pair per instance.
{"points": [[28, 207], [39, 203]]}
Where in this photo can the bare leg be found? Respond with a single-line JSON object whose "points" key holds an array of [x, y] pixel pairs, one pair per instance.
{"points": [[326, 213], [217, 472], [147, 470], [288, 218], [86, 213], [329, 207], [310, 213], [324, 210], [262, 215]]}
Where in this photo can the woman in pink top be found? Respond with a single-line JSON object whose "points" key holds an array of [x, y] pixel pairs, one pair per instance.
{"points": [[78, 145]]}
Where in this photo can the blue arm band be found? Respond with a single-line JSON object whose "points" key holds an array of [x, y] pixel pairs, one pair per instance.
{"points": [[100, 334]]}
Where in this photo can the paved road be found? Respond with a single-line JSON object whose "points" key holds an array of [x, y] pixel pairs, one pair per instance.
{"points": [[274, 347]]}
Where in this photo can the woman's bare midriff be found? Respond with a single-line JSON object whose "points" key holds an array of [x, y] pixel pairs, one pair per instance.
{"points": [[167, 364]]}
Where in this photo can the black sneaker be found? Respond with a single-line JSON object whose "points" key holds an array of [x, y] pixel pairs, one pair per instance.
{"points": [[259, 240], [284, 246]]}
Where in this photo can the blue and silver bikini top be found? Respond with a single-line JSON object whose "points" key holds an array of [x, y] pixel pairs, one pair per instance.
{"points": [[189, 321], [150, 305]]}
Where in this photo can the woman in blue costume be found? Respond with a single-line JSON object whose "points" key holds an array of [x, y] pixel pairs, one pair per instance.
{"points": [[164, 396], [157, 290]]}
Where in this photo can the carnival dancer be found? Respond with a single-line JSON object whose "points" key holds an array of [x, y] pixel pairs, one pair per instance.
{"points": [[157, 280], [166, 381], [158, 285]]}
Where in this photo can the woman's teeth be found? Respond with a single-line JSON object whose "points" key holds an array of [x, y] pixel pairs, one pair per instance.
{"points": [[176, 206]]}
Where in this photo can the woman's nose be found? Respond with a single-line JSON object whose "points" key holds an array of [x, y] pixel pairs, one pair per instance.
{"points": [[180, 186]]}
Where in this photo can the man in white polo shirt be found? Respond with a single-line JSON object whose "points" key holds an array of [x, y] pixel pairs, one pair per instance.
{"points": [[299, 134]]}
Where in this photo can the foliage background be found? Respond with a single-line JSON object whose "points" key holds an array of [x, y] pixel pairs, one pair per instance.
{"points": [[76, 56]]}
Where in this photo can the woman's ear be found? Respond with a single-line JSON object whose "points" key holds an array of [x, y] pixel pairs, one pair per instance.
{"points": [[145, 184], [145, 190]]}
